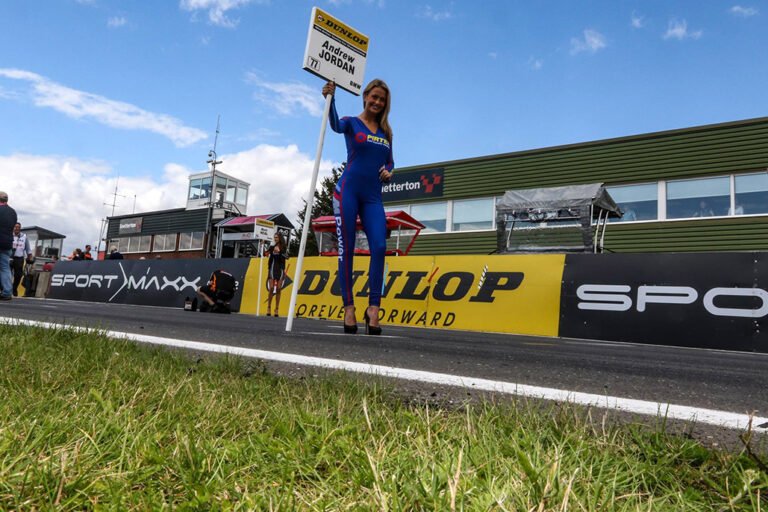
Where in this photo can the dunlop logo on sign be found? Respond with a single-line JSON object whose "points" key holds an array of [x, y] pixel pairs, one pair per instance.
{"points": [[336, 28]]}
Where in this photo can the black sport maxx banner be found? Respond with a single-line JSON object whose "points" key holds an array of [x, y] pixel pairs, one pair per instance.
{"points": [[145, 282], [710, 300]]}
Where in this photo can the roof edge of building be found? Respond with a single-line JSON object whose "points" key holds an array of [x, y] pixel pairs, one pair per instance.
{"points": [[600, 142], [141, 214]]}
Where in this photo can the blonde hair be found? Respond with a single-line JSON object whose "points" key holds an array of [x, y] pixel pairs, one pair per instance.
{"points": [[384, 115]]}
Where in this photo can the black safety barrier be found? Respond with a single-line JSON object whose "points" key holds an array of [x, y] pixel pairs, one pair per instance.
{"points": [[708, 300], [146, 282]]}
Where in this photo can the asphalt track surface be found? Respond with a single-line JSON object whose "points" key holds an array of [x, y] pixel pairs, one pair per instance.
{"points": [[701, 378]]}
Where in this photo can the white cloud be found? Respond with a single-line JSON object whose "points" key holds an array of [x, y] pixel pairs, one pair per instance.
{"points": [[493, 55], [337, 3], [426, 11], [217, 9], [261, 135], [279, 177], [287, 97], [76, 190], [679, 30], [536, 64], [117, 114], [744, 12], [590, 43], [637, 21], [5, 94], [117, 21]]}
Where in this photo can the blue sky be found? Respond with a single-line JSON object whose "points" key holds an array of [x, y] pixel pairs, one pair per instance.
{"points": [[95, 89]]}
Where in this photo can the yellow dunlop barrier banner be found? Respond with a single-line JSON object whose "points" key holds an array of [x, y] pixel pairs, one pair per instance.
{"points": [[514, 294], [502, 293]]}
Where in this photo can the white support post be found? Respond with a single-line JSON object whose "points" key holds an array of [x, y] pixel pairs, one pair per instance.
{"points": [[261, 273], [597, 229], [307, 216]]}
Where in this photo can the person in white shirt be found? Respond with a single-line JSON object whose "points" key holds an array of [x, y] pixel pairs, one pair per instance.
{"points": [[19, 253]]}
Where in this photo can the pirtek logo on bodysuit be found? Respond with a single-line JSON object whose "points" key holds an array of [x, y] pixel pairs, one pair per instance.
{"points": [[361, 137], [381, 141], [145, 282]]}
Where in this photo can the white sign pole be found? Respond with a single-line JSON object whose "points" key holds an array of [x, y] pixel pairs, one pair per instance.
{"points": [[335, 52], [307, 216], [261, 273]]}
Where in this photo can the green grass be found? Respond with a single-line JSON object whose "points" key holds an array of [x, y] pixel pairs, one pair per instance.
{"points": [[87, 422]]}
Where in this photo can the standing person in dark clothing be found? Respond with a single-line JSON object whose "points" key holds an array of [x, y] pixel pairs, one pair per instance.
{"points": [[114, 254], [276, 276], [7, 222], [20, 253]]}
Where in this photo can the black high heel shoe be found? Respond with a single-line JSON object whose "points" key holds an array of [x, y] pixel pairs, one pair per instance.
{"points": [[349, 329], [371, 329]]}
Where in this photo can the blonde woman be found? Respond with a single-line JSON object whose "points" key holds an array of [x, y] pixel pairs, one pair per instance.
{"points": [[369, 163]]}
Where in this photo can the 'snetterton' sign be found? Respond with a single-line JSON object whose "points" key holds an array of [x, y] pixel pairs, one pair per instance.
{"points": [[414, 185]]}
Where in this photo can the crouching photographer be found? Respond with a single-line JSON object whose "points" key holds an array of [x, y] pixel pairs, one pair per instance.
{"points": [[216, 295]]}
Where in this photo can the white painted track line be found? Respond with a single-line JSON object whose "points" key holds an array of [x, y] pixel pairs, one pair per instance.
{"points": [[726, 419]]}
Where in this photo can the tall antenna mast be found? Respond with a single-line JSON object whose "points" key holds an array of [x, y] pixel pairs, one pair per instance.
{"points": [[115, 195], [212, 160], [105, 222], [216, 139]]}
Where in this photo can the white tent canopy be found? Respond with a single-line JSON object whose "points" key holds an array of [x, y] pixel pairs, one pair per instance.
{"points": [[571, 196], [557, 219]]}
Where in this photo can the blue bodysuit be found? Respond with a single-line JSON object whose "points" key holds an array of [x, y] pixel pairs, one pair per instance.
{"points": [[358, 192]]}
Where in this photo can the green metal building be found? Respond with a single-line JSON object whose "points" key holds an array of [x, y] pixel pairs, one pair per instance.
{"points": [[703, 188]]}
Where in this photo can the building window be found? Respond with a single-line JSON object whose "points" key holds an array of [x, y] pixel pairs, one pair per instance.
{"points": [[242, 196], [473, 214], [205, 188], [638, 202], [432, 215], [398, 207], [164, 243], [751, 195], [706, 197], [116, 243], [220, 191], [128, 244], [194, 188], [47, 248], [199, 188], [191, 241], [141, 243], [231, 189]]}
